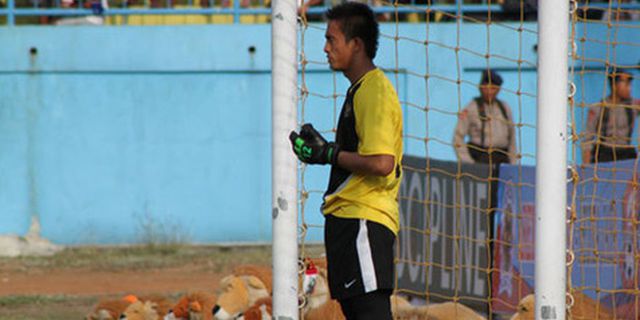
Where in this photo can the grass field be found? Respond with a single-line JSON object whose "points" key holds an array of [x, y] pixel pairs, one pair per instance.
{"points": [[67, 285]]}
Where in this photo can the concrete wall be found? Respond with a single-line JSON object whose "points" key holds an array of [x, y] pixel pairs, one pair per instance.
{"points": [[117, 135]]}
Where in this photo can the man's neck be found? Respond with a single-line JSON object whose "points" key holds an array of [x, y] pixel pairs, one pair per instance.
{"points": [[358, 70]]}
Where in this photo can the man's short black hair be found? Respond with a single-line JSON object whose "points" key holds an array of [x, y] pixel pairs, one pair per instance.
{"points": [[616, 74], [357, 21]]}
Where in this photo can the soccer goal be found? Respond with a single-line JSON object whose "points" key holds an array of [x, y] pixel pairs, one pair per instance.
{"points": [[548, 232]]}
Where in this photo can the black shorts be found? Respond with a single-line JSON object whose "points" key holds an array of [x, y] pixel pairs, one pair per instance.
{"points": [[369, 306], [359, 256]]}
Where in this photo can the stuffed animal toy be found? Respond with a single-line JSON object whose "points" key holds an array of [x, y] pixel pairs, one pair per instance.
{"points": [[196, 311], [329, 310], [525, 308], [242, 289], [162, 304], [110, 309], [315, 287], [170, 316], [583, 308], [437, 311], [187, 304], [145, 306], [261, 310], [399, 303], [319, 305], [141, 311]]}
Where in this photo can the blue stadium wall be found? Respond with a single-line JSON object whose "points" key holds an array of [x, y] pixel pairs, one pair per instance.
{"points": [[115, 135]]}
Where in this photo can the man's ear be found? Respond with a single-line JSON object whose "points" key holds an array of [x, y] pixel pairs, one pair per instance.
{"points": [[359, 44]]}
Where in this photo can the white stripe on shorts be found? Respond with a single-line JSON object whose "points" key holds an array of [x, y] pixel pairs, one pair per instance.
{"points": [[366, 258]]}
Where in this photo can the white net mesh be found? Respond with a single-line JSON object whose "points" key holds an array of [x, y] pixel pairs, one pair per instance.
{"points": [[467, 230], [603, 271]]}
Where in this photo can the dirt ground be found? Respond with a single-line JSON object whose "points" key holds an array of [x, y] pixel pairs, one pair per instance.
{"points": [[67, 285], [87, 282]]}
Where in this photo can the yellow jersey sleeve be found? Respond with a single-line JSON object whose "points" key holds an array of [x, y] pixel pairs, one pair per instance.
{"points": [[378, 115]]}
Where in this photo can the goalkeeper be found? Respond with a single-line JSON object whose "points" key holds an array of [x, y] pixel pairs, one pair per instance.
{"points": [[360, 204]]}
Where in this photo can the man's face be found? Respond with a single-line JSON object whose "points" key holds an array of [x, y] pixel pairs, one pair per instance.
{"points": [[339, 51], [622, 87], [489, 92]]}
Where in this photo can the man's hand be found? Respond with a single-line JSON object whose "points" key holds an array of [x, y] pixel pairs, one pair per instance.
{"points": [[312, 148]]}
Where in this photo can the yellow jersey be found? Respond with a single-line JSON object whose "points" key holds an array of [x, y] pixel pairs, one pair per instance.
{"points": [[370, 124]]}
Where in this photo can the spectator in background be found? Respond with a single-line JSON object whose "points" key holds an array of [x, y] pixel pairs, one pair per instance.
{"points": [[487, 122], [610, 123]]}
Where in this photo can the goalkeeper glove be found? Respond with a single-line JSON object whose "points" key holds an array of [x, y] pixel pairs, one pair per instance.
{"points": [[312, 148]]}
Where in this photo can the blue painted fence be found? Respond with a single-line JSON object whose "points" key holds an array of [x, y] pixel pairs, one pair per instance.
{"points": [[111, 135]]}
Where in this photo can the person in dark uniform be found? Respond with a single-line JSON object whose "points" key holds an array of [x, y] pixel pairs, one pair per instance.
{"points": [[360, 204], [610, 123], [487, 123]]}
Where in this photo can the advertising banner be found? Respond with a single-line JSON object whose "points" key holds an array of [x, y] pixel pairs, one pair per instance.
{"points": [[445, 231], [603, 237]]}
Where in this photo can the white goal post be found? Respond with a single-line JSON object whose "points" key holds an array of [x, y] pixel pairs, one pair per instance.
{"points": [[551, 160], [284, 166]]}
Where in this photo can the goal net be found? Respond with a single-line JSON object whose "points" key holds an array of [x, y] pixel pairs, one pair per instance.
{"points": [[468, 229]]}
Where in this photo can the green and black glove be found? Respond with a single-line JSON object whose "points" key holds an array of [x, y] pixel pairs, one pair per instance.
{"points": [[312, 148]]}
